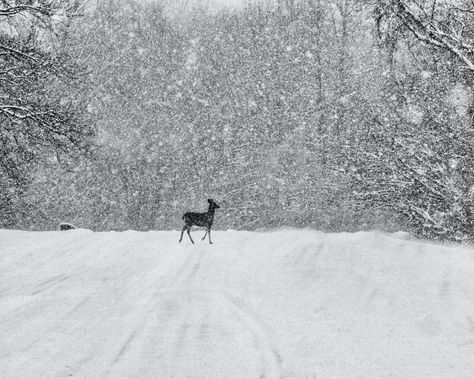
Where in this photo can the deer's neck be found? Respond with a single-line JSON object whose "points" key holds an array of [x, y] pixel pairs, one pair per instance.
{"points": [[210, 213]]}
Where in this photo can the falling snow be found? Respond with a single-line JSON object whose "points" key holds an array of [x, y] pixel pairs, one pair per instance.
{"points": [[308, 122]]}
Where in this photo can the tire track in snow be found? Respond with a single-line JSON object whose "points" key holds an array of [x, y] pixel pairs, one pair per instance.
{"points": [[129, 299], [177, 283], [148, 297], [125, 345], [169, 336], [61, 275], [50, 284], [271, 358], [55, 270], [181, 338], [189, 332], [188, 270], [138, 321], [184, 327]]}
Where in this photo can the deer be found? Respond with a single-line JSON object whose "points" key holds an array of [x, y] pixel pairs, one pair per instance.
{"points": [[199, 219]]}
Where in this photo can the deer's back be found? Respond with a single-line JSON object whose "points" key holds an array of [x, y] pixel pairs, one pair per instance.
{"points": [[198, 219]]}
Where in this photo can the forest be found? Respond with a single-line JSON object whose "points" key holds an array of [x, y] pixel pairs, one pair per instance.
{"points": [[336, 115]]}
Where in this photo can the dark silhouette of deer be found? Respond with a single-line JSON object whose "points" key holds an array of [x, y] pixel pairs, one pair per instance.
{"points": [[200, 219]]}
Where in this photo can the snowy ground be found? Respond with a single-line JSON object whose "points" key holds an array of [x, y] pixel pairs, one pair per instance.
{"points": [[285, 304]]}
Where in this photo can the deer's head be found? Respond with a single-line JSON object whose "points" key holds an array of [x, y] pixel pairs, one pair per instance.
{"points": [[212, 204]]}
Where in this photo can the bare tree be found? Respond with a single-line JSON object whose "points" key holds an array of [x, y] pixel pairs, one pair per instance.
{"points": [[41, 112], [442, 24]]}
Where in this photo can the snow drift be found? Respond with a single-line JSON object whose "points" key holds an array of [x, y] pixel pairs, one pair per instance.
{"points": [[283, 304]]}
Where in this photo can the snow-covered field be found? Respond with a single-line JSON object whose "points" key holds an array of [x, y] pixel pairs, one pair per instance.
{"points": [[283, 304]]}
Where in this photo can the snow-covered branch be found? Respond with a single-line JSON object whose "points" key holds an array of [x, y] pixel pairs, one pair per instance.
{"points": [[443, 26]]}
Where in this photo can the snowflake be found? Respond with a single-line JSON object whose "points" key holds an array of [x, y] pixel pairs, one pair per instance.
{"points": [[414, 114], [460, 98]]}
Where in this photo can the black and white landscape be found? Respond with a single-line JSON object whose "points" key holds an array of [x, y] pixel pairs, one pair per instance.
{"points": [[331, 143]]}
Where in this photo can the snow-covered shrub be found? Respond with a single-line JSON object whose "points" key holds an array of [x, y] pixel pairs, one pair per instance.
{"points": [[423, 170]]}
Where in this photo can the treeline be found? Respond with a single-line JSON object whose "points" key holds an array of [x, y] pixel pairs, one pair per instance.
{"points": [[331, 114]]}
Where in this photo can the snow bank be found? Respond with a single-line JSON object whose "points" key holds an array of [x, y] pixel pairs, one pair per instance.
{"points": [[289, 303]]}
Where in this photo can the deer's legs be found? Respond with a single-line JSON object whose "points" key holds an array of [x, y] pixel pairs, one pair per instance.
{"points": [[188, 228], [189, 234], [209, 232], [182, 231]]}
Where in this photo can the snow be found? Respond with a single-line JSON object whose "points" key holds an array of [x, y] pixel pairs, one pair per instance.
{"points": [[414, 114], [460, 98], [281, 304]]}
